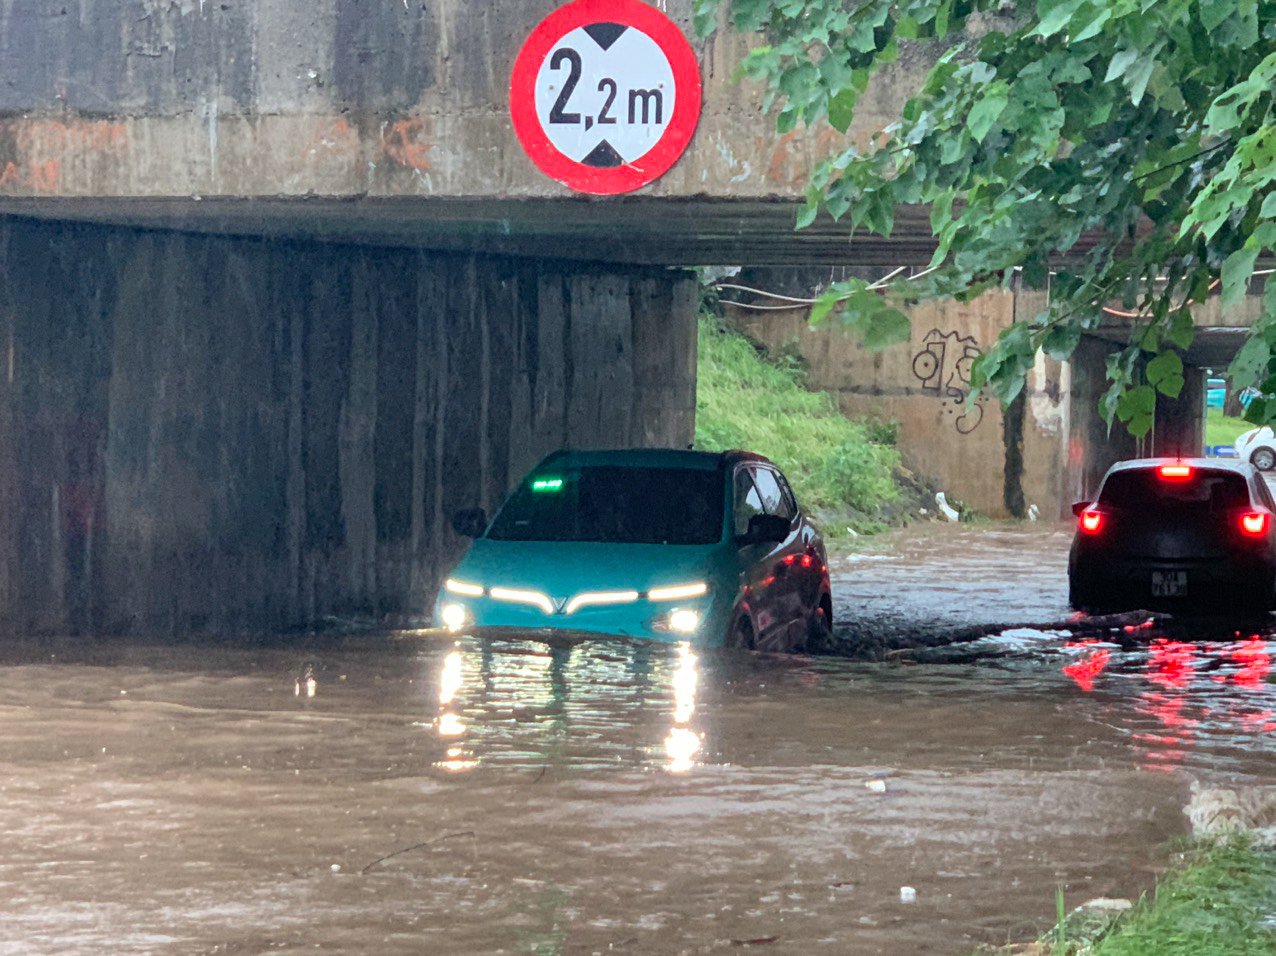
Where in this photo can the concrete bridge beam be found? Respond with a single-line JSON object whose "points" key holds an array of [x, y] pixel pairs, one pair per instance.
{"points": [[208, 434]]}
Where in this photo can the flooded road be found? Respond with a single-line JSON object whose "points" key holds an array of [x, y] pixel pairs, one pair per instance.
{"points": [[409, 793]]}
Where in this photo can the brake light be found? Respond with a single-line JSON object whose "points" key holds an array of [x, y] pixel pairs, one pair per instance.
{"points": [[1091, 521], [1176, 472], [1255, 522]]}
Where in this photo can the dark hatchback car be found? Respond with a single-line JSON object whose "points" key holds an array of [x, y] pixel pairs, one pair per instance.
{"points": [[1176, 534]]}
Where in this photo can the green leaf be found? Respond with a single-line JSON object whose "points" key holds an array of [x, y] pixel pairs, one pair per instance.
{"points": [[1182, 330], [842, 109], [990, 106], [888, 326], [1250, 362], [1137, 408], [1165, 374], [1094, 26], [1062, 339], [1268, 210], [827, 301], [1237, 269], [1121, 61], [1214, 12], [1136, 80], [1054, 15], [806, 215]]}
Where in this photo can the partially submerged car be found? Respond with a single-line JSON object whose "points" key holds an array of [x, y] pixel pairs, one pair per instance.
{"points": [[711, 548], [1184, 534]]}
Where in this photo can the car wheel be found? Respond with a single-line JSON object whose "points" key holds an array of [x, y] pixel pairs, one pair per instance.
{"points": [[741, 634], [1264, 459], [819, 628]]}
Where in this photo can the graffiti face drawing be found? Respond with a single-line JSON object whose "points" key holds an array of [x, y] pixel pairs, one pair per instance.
{"points": [[943, 367]]}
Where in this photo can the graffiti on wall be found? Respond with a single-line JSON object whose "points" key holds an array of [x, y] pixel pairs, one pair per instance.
{"points": [[943, 368]]}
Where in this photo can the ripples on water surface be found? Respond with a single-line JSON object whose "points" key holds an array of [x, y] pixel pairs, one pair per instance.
{"points": [[646, 798]]}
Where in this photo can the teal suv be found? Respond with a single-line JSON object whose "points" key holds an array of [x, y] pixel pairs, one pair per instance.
{"points": [[658, 544]]}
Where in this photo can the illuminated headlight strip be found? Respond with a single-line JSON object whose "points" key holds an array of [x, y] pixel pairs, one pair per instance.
{"points": [[460, 587], [534, 598], [594, 598], [678, 592]]}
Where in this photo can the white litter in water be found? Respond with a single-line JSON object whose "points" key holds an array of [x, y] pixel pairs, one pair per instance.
{"points": [[907, 894], [877, 786]]}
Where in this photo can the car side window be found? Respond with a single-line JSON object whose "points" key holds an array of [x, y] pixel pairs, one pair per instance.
{"points": [[772, 498], [1259, 486], [747, 501], [790, 499]]}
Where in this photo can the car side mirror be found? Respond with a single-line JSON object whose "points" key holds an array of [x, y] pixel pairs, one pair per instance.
{"points": [[765, 529], [470, 523], [1079, 507]]}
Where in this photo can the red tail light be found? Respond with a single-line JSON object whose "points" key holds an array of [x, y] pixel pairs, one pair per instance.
{"points": [[1091, 521], [1176, 472], [1255, 522]]}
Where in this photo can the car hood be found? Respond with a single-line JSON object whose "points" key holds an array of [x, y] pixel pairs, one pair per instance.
{"points": [[560, 569]]}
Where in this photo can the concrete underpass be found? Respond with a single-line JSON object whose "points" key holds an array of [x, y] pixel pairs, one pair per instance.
{"points": [[276, 300]]}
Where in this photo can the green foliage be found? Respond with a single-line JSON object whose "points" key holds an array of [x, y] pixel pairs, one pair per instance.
{"points": [[1222, 429], [1214, 905], [1120, 151], [744, 401]]}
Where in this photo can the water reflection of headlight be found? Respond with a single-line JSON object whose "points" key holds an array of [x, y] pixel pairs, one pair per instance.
{"points": [[450, 679], [683, 743], [451, 725], [686, 678]]}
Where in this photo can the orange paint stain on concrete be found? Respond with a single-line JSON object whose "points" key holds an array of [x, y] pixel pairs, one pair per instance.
{"points": [[48, 137], [31, 177], [404, 142]]}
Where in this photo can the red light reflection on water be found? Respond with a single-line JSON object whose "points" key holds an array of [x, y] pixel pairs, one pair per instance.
{"points": [[1085, 670], [1170, 663], [1254, 661], [1183, 703]]}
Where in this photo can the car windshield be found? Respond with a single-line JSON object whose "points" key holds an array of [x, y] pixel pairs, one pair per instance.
{"points": [[1144, 490], [617, 505]]}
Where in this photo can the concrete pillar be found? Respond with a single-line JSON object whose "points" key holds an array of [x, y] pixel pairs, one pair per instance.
{"points": [[1093, 445], [207, 434], [1179, 429]]}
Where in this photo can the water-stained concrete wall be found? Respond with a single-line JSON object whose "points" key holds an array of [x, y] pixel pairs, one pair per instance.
{"points": [[340, 98], [205, 434], [998, 461]]}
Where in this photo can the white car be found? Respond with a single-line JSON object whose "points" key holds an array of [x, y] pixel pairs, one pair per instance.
{"points": [[1258, 447]]}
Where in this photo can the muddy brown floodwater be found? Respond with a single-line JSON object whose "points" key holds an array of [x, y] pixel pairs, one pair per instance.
{"points": [[414, 794]]}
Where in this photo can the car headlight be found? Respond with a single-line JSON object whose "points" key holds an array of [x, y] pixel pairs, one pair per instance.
{"points": [[678, 592], [454, 616], [460, 587], [681, 620]]}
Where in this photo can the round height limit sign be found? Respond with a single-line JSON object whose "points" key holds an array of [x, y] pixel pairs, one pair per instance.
{"points": [[605, 95]]}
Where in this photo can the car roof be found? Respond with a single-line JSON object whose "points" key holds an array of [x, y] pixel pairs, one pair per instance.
{"points": [[649, 458], [1216, 464]]}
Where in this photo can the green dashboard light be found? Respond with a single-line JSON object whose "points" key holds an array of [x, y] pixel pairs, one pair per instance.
{"points": [[547, 484]]}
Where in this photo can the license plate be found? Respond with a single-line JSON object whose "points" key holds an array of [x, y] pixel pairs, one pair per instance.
{"points": [[1169, 583]]}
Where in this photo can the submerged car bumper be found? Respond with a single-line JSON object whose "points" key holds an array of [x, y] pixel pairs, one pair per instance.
{"points": [[697, 620], [1158, 581]]}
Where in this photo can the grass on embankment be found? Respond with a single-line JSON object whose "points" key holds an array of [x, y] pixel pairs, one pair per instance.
{"points": [[1215, 904], [841, 469], [1221, 429]]}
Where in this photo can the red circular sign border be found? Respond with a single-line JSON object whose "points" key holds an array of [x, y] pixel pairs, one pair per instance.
{"points": [[682, 125]]}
